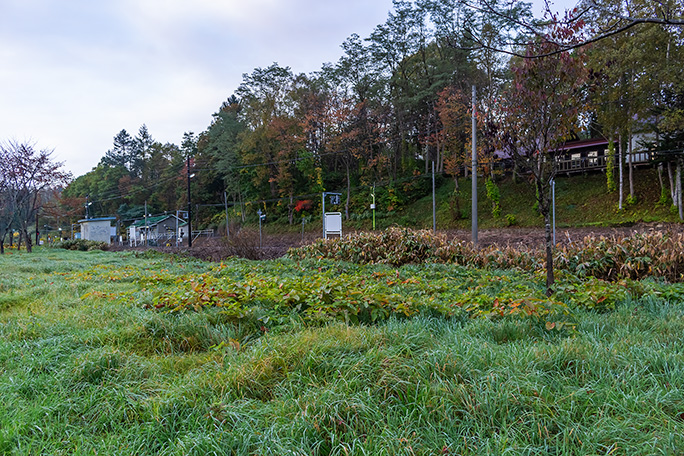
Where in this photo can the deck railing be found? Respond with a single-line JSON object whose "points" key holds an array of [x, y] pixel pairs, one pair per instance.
{"points": [[594, 163]]}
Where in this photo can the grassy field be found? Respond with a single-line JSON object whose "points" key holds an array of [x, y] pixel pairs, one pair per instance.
{"points": [[130, 353]]}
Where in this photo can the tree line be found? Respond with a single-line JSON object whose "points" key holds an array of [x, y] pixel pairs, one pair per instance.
{"points": [[399, 100]]}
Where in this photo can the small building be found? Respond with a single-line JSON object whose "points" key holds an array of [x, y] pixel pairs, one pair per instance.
{"points": [[158, 229], [97, 229], [592, 154], [582, 155]]}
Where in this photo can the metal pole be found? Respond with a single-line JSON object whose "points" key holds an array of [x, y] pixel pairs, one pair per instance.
{"points": [[474, 170], [434, 205], [147, 229], [373, 207], [323, 213], [225, 202], [259, 229], [189, 207], [553, 200]]}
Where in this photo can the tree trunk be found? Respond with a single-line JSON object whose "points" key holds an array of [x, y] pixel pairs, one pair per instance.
{"points": [[346, 203], [620, 160], [544, 199], [27, 241], [549, 253], [679, 188], [290, 210], [515, 172], [660, 179], [21, 235], [425, 157], [673, 190]]}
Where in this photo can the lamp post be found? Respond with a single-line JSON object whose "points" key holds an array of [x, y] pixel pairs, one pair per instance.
{"points": [[262, 217]]}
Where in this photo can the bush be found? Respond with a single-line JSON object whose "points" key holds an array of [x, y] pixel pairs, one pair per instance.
{"points": [[493, 195], [608, 258], [81, 244], [400, 246]]}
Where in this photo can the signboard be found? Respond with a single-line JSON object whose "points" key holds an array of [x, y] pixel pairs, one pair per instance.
{"points": [[132, 236], [333, 223]]}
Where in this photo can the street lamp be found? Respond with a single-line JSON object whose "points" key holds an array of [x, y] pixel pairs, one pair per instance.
{"points": [[87, 205]]}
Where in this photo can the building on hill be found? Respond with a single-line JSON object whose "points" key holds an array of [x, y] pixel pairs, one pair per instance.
{"points": [[590, 154], [587, 155]]}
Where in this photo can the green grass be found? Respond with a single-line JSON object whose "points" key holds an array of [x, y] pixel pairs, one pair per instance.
{"points": [[581, 200], [88, 365]]}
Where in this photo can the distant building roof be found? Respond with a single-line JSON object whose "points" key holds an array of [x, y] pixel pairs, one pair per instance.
{"points": [[572, 145], [97, 219], [152, 221]]}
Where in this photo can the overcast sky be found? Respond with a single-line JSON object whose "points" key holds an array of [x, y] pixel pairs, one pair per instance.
{"points": [[73, 73]]}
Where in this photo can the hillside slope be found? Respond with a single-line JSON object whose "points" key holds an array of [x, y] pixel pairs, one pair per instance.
{"points": [[581, 200]]}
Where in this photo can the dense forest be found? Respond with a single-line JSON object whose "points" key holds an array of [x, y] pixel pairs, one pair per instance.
{"points": [[399, 102]]}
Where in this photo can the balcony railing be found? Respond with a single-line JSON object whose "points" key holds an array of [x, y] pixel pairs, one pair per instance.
{"points": [[594, 163]]}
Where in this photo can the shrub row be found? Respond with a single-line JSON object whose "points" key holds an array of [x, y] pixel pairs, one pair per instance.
{"points": [[655, 254], [81, 244]]}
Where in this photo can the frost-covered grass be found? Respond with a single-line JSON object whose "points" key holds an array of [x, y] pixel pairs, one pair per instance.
{"points": [[90, 363]]}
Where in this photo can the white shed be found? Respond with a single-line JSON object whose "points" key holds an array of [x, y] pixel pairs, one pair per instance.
{"points": [[97, 229]]}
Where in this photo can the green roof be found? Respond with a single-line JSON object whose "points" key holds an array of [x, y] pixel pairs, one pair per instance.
{"points": [[151, 221]]}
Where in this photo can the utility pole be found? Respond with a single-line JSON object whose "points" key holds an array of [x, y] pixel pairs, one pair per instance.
{"points": [[147, 228], [553, 201], [434, 205], [189, 206], [225, 203], [373, 206], [474, 170]]}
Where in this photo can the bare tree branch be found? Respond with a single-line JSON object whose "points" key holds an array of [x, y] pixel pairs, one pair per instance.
{"points": [[538, 30]]}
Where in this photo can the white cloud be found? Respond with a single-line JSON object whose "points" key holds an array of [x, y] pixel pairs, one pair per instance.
{"points": [[76, 72]]}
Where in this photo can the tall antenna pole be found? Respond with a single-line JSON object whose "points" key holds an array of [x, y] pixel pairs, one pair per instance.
{"points": [[474, 170]]}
